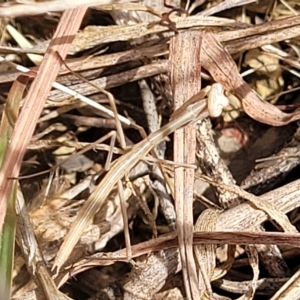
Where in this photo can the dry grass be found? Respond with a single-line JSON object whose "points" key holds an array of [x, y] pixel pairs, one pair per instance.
{"points": [[118, 62]]}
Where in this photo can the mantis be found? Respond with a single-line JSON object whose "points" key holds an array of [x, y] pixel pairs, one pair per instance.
{"points": [[207, 101]]}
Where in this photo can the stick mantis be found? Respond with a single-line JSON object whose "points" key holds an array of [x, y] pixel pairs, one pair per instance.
{"points": [[195, 108]]}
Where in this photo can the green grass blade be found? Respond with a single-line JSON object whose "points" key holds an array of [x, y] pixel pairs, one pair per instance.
{"points": [[7, 239]]}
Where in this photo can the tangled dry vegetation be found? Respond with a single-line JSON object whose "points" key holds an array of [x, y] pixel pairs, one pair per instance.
{"points": [[100, 217]]}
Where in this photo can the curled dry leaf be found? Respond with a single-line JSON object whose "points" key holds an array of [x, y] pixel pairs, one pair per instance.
{"points": [[217, 60]]}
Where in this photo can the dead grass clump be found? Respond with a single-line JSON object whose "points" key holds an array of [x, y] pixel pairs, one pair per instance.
{"points": [[101, 186]]}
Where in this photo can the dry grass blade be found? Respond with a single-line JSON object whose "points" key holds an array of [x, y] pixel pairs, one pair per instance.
{"points": [[252, 254], [258, 202], [34, 103], [23, 43], [205, 255], [34, 8], [185, 81], [33, 255], [200, 238], [104, 60], [7, 237], [71, 92], [237, 39], [93, 35], [113, 81], [227, 4], [259, 35]]}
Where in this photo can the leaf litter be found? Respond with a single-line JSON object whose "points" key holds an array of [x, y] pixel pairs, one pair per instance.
{"points": [[123, 48]]}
